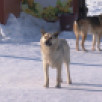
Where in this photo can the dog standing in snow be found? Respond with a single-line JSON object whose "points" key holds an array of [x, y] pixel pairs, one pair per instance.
{"points": [[54, 52], [91, 25]]}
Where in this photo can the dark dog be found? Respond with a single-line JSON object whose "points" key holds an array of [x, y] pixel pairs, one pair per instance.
{"points": [[91, 25]]}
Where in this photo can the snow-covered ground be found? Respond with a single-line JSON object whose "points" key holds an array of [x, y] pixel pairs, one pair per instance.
{"points": [[94, 7], [21, 72]]}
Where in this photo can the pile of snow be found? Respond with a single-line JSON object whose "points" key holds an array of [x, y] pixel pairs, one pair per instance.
{"points": [[25, 28]]}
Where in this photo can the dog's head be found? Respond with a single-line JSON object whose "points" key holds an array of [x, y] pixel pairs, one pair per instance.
{"points": [[49, 39]]}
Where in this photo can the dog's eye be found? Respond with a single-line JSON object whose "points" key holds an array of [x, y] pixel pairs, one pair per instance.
{"points": [[46, 37]]}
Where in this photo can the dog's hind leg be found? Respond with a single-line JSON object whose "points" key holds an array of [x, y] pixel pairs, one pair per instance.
{"points": [[77, 42], [98, 43], [58, 79], [46, 74], [94, 42], [83, 41]]}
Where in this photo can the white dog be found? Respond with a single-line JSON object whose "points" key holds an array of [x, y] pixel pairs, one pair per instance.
{"points": [[54, 52]]}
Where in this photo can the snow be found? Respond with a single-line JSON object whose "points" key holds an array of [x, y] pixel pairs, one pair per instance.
{"points": [[21, 72], [94, 7]]}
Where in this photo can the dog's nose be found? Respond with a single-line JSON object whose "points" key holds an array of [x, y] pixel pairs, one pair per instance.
{"points": [[48, 43]]}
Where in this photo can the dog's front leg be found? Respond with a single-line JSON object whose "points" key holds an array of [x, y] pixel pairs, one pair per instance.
{"points": [[94, 42], [68, 73], [58, 78], [46, 74]]}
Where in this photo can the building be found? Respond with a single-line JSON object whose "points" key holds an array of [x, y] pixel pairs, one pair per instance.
{"points": [[7, 7]]}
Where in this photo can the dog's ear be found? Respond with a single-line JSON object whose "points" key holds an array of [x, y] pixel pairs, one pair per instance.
{"points": [[56, 34], [42, 32]]}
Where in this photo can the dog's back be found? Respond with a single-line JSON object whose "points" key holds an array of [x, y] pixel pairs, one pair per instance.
{"points": [[88, 24]]}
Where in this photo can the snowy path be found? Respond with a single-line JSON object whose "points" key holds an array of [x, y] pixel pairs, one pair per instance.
{"points": [[21, 72], [21, 75]]}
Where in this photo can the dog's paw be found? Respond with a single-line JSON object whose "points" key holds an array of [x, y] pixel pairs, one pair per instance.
{"points": [[45, 85], [84, 50], [58, 86], [69, 82], [93, 49]]}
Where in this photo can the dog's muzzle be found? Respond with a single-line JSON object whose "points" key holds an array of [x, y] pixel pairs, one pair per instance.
{"points": [[48, 43]]}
